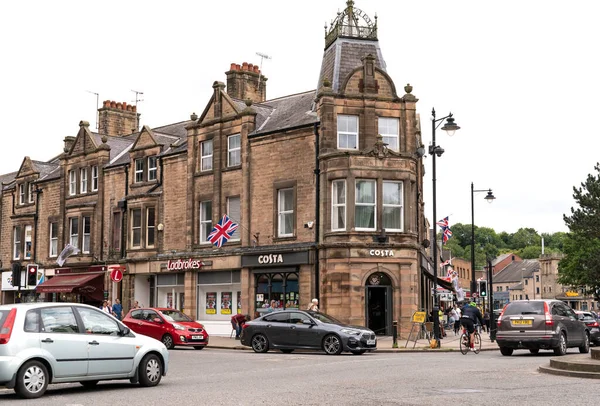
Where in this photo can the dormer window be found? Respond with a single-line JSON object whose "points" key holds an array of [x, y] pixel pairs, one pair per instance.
{"points": [[206, 155], [152, 168], [31, 191], [22, 193], [139, 170], [83, 181], [72, 183], [94, 178], [234, 150]]}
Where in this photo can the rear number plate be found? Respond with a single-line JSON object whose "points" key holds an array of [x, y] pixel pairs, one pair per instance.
{"points": [[197, 338], [522, 322], [370, 342]]}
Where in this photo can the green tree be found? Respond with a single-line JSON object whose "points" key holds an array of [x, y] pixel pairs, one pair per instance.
{"points": [[531, 252], [581, 264], [525, 237]]}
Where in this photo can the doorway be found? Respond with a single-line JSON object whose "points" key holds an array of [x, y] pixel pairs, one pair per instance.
{"points": [[379, 304]]}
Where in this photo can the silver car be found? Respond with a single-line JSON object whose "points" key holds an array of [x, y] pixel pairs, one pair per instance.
{"points": [[43, 343]]}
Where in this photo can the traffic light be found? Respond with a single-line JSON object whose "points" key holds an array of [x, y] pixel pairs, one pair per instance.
{"points": [[16, 274], [483, 288], [32, 271]]}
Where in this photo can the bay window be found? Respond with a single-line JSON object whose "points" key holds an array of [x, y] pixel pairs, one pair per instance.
{"points": [[338, 205], [392, 206], [365, 205]]}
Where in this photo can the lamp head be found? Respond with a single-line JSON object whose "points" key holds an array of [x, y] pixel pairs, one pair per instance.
{"points": [[421, 151], [450, 127], [490, 197]]}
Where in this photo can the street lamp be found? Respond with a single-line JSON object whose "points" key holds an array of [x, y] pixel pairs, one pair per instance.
{"points": [[490, 198], [435, 150]]}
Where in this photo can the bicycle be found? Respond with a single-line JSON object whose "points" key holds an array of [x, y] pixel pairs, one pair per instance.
{"points": [[465, 341]]}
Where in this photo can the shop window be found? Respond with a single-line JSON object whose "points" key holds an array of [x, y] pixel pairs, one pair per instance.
{"points": [[74, 232], [94, 178], [234, 150], [31, 192], [364, 208], [285, 212], [234, 211], [347, 132], [28, 231], [388, 129], [116, 231], [392, 206], [136, 228], [72, 183], [22, 193], [277, 290], [53, 239], [139, 170], [150, 226], [338, 205], [206, 155], [206, 224], [87, 226], [152, 168], [83, 181], [17, 242]]}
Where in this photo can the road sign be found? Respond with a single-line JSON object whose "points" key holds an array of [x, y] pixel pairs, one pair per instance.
{"points": [[116, 275]]}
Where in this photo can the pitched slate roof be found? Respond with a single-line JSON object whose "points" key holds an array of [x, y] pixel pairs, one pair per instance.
{"points": [[516, 271], [7, 178], [284, 112], [48, 170]]}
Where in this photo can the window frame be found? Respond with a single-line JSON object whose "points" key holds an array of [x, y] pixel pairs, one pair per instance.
{"points": [[236, 234], [21, 193], [281, 212], [74, 237], [117, 232], [231, 150], [30, 192], [17, 242], [206, 224], [83, 180], [348, 133], [152, 170], [335, 205], [133, 228], [53, 226], [94, 178], [396, 136], [208, 157], [27, 252], [86, 237], [138, 173], [374, 204], [72, 182], [150, 228], [399, 206]]}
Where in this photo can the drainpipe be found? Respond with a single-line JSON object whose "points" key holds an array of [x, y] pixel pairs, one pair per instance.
{"points": [[123, 212], [317, 214]]}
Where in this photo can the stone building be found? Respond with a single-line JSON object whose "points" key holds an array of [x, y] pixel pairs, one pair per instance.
{"points": [[325, 186]]}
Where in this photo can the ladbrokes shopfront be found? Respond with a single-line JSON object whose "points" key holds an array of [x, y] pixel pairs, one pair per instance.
{"points": [[279, 280]]}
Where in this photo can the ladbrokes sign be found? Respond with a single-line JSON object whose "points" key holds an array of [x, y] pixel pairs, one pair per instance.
{"points": [[184, 264]]}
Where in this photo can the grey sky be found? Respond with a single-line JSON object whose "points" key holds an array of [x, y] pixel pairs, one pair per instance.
{"points": [[519, 76]]}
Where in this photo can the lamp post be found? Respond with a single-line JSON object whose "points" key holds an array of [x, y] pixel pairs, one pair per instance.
{"points": [[490, 198], [435, 150]]}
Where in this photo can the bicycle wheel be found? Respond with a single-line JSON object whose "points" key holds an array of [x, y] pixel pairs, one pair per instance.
{"points": [[477, 343], [464, 344]]}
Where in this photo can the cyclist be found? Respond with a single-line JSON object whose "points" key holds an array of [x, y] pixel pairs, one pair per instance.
{"points": [[470, 315]]}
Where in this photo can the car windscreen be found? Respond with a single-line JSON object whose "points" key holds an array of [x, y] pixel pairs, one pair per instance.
{"points": [[325, 318], [174, 315], [524, 308], [587, 317]]}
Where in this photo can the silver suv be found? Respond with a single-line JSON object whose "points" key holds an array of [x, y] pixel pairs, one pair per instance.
{"points": [[541, 324], [43, 343]]}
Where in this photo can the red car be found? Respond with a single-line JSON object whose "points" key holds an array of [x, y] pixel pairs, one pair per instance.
{"points": [[170, 326]]}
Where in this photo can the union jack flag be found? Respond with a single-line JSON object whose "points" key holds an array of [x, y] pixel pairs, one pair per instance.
{"points": [[222, 231], [446, 235], [443, 223]]}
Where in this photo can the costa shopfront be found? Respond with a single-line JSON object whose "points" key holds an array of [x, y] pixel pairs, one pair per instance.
{"points": [[280, 280]]}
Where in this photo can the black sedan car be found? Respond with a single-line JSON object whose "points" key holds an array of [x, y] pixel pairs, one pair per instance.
{"points": [[592, 323], [288, 330]]}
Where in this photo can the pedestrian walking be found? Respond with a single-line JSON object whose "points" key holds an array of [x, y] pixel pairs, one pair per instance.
{"points": [[314, 305], [117, 309]]}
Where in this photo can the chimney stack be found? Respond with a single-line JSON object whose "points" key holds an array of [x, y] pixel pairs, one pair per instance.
{"points": [[68, 143], [117, 119], [246, 82]]}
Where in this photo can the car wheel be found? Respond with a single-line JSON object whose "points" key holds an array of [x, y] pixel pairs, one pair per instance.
{"points": [[199, 347], [150, 370], [167, 340], [359, 352], [260, 343], [332, 344], [534, 350], [562, 345], [506, 351], [585, 347], [287, 351], [32, 380], [88, 384]]}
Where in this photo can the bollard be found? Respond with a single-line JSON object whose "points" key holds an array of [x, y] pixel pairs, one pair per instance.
{"points": [[395, 334]]}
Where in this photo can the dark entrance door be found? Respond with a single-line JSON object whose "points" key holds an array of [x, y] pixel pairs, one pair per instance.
{"points": [[379, 304]]}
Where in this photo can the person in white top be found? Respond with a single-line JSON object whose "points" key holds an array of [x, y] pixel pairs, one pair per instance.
{"points": [[106, 308], [457, 320], [314, 305]]}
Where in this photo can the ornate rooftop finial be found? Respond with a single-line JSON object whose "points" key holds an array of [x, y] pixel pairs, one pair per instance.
{"points": [[351, 23]]}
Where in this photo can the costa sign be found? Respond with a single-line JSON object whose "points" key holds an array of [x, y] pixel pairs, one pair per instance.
{"points": [[182, 265], [270, 259], [381, 253]]}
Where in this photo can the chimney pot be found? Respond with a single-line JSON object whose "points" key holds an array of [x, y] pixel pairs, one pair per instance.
{"points": [[245, 66], [113, 104], [250, 67], [124, 106], [256, 69], [106, 103], [119, 106], [238, 67], [232, 67]]}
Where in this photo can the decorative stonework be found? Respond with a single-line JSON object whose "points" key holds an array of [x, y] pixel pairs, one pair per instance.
{"points": [[380, 149]]}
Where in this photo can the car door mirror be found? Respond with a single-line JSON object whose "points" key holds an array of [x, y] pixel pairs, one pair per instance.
{"points": [[580, 317], [124, 331], [307, 322]]}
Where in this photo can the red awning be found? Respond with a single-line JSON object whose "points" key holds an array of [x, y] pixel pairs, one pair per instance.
{"points": [[67, 283]]}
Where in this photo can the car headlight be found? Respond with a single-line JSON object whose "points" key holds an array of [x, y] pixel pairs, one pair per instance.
{"points": [[178, 326], [351, 331]]}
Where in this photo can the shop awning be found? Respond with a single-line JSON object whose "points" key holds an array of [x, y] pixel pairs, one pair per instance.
{"points": [[442, 282], [67, 283]]}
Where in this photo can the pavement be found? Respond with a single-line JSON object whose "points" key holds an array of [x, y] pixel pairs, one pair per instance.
{"points": [[385, 344]]}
